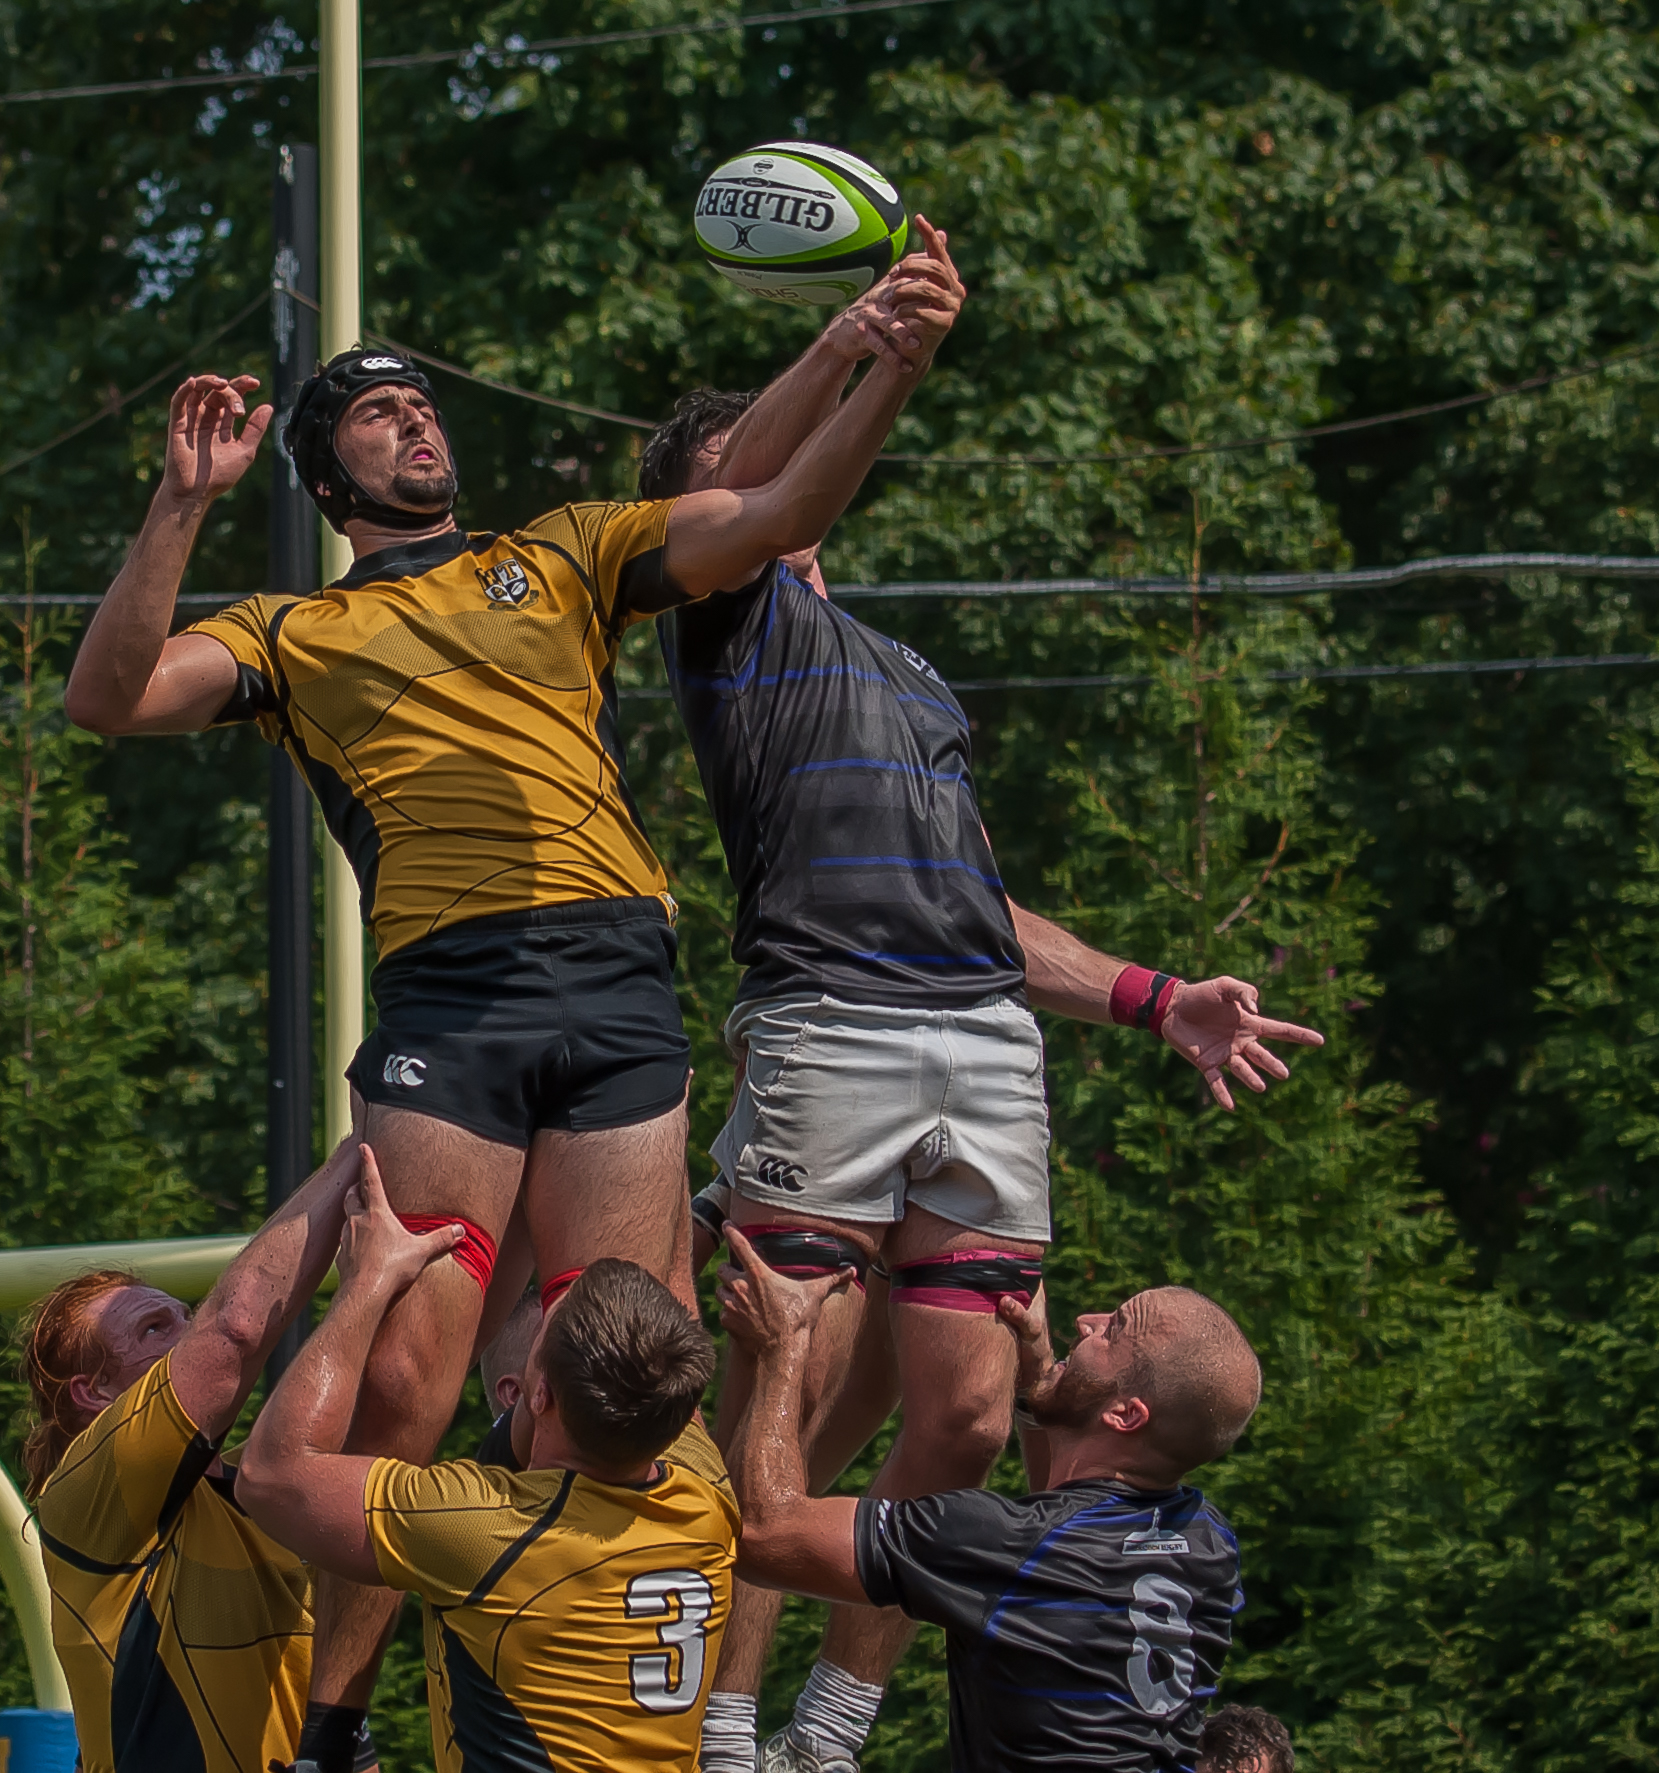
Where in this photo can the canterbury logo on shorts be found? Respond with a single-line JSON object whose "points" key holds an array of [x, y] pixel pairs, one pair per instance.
{"points": [[779, 1172], [399, 1069]]}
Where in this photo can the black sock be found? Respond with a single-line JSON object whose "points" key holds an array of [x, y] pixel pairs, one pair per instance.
{"points": [[331, 1736]]}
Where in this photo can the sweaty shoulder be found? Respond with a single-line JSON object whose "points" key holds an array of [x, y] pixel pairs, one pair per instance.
{"points": [[617, 551]]}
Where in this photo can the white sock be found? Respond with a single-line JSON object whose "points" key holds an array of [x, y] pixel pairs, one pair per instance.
{"points": [[834, 1712], [728, 1734]]}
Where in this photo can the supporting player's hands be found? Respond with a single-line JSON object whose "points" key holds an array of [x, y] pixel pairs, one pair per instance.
{"points": [[764, 1310], [376, 1250], [1038, 1368], [1216, 1026], [205, 455]]}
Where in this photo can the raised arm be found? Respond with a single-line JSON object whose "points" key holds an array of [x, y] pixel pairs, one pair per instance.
{"points": [[129, 677], [1214, 1025], [886, 322], [218, 1359], [790, 1540], [293, 1479], [720, 539]]}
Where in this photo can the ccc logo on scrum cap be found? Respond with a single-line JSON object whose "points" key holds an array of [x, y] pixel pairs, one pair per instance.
{"points": [[507, 586], [383, 363]]}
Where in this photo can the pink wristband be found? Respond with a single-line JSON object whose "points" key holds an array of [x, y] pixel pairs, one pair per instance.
{"points": [[1140, 998]]}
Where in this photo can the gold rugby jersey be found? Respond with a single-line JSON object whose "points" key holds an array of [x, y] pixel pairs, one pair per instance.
{"points": [[451, 703], [184, 1631], [570, 1624]]}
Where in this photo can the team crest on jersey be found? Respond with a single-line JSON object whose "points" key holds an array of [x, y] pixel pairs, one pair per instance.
{"points": [[507, 585], [1154, 1541]]}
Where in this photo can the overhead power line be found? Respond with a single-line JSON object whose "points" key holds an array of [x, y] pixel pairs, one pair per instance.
{"points": [[1440, 566], [115, 403], [454, 369], [1530, 385], [477, 51], [1334, 673], [1168, 452]]}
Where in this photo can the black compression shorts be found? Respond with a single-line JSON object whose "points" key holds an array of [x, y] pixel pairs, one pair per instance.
{"points": [[564, 1016]]}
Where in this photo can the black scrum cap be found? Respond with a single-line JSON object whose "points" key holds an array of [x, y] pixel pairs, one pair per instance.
{"points": [[309, 435]]}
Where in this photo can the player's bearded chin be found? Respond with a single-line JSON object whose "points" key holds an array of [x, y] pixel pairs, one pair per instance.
{"points": [[1072, 1401], [430, 490]]}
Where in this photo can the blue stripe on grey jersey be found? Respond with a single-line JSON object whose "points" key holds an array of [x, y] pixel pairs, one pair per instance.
{"points": [[838, 769]]}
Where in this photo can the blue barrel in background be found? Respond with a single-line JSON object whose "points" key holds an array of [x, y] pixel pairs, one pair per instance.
{"points": [[36, 1741]]}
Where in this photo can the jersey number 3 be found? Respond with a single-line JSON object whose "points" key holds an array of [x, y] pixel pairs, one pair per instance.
{"points": [[683, 1600]]}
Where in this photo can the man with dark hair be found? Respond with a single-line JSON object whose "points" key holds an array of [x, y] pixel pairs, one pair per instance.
{"points": [[1244, 1739], [573, 1609], [184, 1631], [1086, 1623], [452, 703], [891, 1109]]}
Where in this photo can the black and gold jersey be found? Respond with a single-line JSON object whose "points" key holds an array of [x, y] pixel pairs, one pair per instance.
{"points": [[451, 703], [184, 1631], [569, 1623]]}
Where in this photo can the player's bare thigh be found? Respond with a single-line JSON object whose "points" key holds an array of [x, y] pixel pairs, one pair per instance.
{"points": [[838, 1350], [432, 1166], [617, 1191]]}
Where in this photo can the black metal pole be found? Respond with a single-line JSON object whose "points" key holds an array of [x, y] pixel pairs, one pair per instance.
{"points": [[293, 570]]}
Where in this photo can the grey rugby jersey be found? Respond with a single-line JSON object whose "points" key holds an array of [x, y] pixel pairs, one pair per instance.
{"points": [[1085, 1626], [838, 768]]}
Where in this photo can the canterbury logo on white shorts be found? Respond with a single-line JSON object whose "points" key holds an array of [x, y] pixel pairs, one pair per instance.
{"points": [[401, 1070]]}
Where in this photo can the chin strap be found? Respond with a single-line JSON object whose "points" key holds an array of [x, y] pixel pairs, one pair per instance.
{"points": [[371, 510]]}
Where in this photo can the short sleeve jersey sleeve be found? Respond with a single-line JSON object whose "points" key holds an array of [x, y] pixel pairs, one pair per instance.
{"points": [[244, 630], [428, 1523], [944, 1559], [124, 1481], [619, 551]]}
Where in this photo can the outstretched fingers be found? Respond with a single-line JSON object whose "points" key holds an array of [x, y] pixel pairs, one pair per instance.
{"points": [[1270, 1062], [1291, 1031], [259, 422], [1218, 1088]]}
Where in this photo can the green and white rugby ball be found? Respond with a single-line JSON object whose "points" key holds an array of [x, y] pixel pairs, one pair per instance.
{"points": [[796, 222]]}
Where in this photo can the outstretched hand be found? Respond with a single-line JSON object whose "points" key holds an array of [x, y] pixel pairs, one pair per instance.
{"points": [[902, 319], [762, 1309], [1215, 1025], [375, 1248], [205, 456]]}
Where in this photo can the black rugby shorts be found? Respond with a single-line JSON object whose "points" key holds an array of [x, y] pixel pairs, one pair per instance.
{"points": [[564, 1016]]}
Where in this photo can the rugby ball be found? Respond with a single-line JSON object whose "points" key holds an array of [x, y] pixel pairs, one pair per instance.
{"points": [[795, 222]]}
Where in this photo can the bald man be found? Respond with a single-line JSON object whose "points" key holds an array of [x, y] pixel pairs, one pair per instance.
{"points": [[1086, 1623]]}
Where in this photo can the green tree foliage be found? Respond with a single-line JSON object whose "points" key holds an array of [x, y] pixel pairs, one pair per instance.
{"points": [[90, 996], [1181, 224]]}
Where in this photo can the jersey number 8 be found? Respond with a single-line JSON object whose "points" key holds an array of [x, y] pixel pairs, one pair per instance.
{"points": [[1161, 1664], [687, 1600]]}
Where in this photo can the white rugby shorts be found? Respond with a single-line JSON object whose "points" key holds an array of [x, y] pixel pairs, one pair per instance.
{"points": [[854, 1111]]}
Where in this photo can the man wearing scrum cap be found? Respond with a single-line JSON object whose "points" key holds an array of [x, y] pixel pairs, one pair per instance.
{"points": [[451, 702], [1085, 1623], [891, 1108]]}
